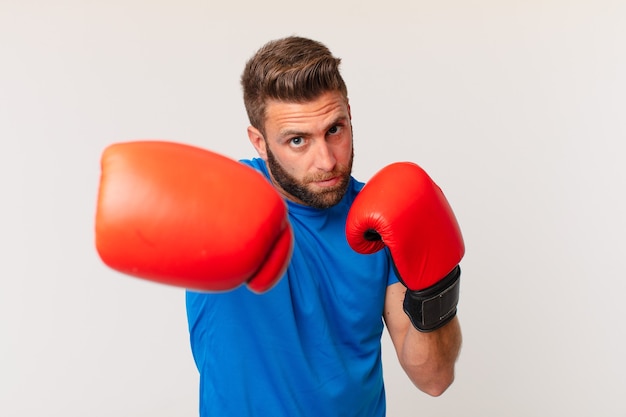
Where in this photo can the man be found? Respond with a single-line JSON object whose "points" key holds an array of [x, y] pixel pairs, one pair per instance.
{"points": [[326, 259], [311, 345]]}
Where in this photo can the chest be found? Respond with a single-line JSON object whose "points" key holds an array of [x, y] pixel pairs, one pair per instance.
{"points": [[325, 273]]}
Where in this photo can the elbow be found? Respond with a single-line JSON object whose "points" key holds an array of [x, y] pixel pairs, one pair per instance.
{"points": [[437, 388], [436, 384]]}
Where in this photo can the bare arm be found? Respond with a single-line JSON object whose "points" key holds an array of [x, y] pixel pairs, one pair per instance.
{"points": [[427, 358]]}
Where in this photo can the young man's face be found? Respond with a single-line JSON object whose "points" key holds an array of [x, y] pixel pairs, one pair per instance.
{"points": [[308, 148]]}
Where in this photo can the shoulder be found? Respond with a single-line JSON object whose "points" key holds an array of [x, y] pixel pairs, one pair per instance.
{"points": [[257, 164]]}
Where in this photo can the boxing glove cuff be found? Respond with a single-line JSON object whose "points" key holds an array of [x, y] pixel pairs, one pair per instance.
{"points": [[433, 307]]}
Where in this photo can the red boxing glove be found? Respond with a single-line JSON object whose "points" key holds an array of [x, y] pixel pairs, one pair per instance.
{"points": [[191, 218], [403, 209]]}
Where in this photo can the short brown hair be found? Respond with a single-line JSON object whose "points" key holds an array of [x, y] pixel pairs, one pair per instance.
{"points": [[292, 69]]}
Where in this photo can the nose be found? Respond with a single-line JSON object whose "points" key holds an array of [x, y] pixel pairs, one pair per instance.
{"points": [[325, 158]]}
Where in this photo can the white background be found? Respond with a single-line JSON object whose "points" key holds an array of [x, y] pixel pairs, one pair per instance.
{"points": [[516, 108]]}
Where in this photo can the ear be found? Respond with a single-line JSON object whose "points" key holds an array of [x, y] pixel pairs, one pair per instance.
{"points": [[258, 141], [349, 115]]}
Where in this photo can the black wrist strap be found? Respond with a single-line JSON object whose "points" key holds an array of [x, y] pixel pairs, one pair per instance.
{"points": [[435, 306]]}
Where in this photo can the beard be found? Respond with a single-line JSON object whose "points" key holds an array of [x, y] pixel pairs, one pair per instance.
{"points": [[299, 188]]}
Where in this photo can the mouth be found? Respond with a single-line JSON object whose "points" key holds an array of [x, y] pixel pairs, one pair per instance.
{"points": [[330, 182]]}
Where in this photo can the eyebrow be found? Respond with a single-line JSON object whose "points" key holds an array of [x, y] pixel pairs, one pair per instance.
{"points": [[292, 133]]}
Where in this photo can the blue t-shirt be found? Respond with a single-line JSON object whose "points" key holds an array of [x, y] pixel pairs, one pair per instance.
{"points": [[308, 347]]}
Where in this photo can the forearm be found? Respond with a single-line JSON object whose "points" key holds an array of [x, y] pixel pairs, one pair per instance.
{"points": [[429, 358]]}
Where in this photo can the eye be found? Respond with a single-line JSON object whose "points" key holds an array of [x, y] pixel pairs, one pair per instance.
{"points": [[336, 130], [297, 141]]}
